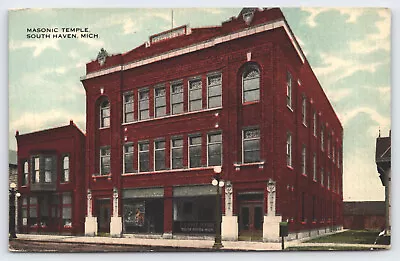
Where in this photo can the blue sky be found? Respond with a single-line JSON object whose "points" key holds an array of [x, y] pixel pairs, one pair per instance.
{"points": [[349, 50]]}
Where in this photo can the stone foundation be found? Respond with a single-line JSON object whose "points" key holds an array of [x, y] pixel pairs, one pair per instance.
{"points": [[91, 226], [116, 227], [229, 228]]}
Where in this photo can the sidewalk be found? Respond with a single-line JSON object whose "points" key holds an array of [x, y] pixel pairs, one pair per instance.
{"points": [[228, 245]]}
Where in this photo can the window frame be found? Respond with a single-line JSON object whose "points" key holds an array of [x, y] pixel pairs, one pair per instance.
{"points": [[140, 152], [214, 143], [25, 172], [156, 97], [322, 138], [64, 206], [289, 150], [103, 109], [172, 148], [105, 149], [192, 146], [172, 93], [128, 153], [247, 70], [315, 167], [155, 150], [141, 100], [251, 139], [289, 90], [127, 103], [190, 100], [304, 160], [63, 169], [304, 110], [315, 123], [322, 177], [215, 85]]}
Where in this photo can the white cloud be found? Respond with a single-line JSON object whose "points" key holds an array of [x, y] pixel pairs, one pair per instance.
{"points": [[38, 45], [211, 10], [375, 41], [382, 121], [337, 95], [352, 13], [30, 121], [93, 43]]}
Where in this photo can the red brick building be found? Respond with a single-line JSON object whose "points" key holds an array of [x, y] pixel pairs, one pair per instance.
{"points": [[241, 96], [51, 180]]}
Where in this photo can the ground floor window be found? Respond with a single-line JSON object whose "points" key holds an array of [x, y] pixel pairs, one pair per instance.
{"points": [[194, 215], [143, 216]]}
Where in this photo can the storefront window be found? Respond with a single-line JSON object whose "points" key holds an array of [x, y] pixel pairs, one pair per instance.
{"points": [[143, 216], [67, 210]]}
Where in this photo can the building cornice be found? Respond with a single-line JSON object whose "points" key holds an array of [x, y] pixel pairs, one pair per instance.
{"points": [[203, 45]]}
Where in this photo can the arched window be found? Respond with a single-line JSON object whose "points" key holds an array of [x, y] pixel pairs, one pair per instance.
{"points": [[251, 83], [65, 169], [105, 114], [25, 178]]}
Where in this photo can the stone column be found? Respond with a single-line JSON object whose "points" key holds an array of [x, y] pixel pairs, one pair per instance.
{"points": [[229, 222], [90, 221], [168, 221], [116, 221], [271, 221]]}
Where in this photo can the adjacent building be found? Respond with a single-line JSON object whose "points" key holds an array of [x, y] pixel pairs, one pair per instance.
{"points": [[240, 96]]}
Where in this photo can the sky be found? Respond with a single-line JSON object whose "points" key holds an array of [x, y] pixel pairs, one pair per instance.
{"points": [[348, 49]]}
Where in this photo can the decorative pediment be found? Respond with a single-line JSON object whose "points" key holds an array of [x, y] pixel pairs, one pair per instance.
{"points": [[102, 56], [248, 15]]}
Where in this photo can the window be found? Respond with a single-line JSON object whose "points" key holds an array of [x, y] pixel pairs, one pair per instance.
{"points": [[25, 177], [47, 169], [315, 167], [322, 176], [177, 153], [33, 212], [105, 114], [128, 158], [160, 104], [322, 138], [36, 170], [144, 157], [144, 104], [333, 182], [329, 146], [337, 159], [105, 155], [128, 107], [251, 145], [304, 110], [194, 151], [159, 154], [214, 152], [328, 180], [315, 124], [303, 160], [333, 153], [214, 87], [251, 84], [176, 98], [67, 210], [289, 149], [24, 211], [195, 102], [289, 90], [65, 169]]}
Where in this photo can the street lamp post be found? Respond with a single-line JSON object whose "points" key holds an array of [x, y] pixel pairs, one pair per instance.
{"points": [[219, 184], [13, 193]]}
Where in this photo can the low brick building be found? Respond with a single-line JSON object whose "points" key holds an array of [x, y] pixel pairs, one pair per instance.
{"points": [[360, 215]]}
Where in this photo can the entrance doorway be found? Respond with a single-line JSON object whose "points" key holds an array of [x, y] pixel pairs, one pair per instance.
{"points": [[251, 217], [103, 213]]}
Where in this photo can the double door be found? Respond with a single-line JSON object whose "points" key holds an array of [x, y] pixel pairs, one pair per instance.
{"points": [[251, 219], [103, 213]]}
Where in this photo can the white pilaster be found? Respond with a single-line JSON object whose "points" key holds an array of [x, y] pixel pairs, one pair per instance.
{"points": [[229, 225], [90, 221], [116, 221], [271, 221]]}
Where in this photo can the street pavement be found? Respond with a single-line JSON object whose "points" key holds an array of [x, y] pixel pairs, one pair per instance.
{"points": [[160, 244]]}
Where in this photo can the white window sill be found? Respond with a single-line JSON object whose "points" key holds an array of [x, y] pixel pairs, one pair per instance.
{"points": [[103, 128], [238, 166], [172, 115], [289, 107], [167, 171]]}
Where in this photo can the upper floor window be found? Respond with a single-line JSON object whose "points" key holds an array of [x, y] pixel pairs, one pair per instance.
{"points": [[43, 169], [144, 104], [105, 157], [304, 110], [195, 151], [251, 84], [315, 167], [329, 146], [159, 154], [214, 151], [214, 90], [338, 159], [251, 145], [328, 180], [144, 156], [48, 166], [195, 92], [322, 176], [289, 149], [333, 153], [65, 169], [177, 153], [105, 114], [160, 105], [25, 177], [289, 81], [128, 107], [176, 98], [304, 160], [128, 158], [322, 138], [315, 124]]}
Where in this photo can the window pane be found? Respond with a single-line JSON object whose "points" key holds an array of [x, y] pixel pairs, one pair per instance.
{"points": [[215, 102], [214, 138], [66, 199], [67, 213], [161, 111], [177, 158], [160, 101], [177, 108], [47, 176], [250, 145], [160, 160], [251, 156], [26, 167], [196, 105], [144, 114], [214, 91], [251, 84], [66, 162], [160, 145], [195, 156], [253, 95], [177, 143]]}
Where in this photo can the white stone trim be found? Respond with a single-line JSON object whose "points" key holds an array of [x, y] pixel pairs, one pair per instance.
{"points": [[203, 45]]}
